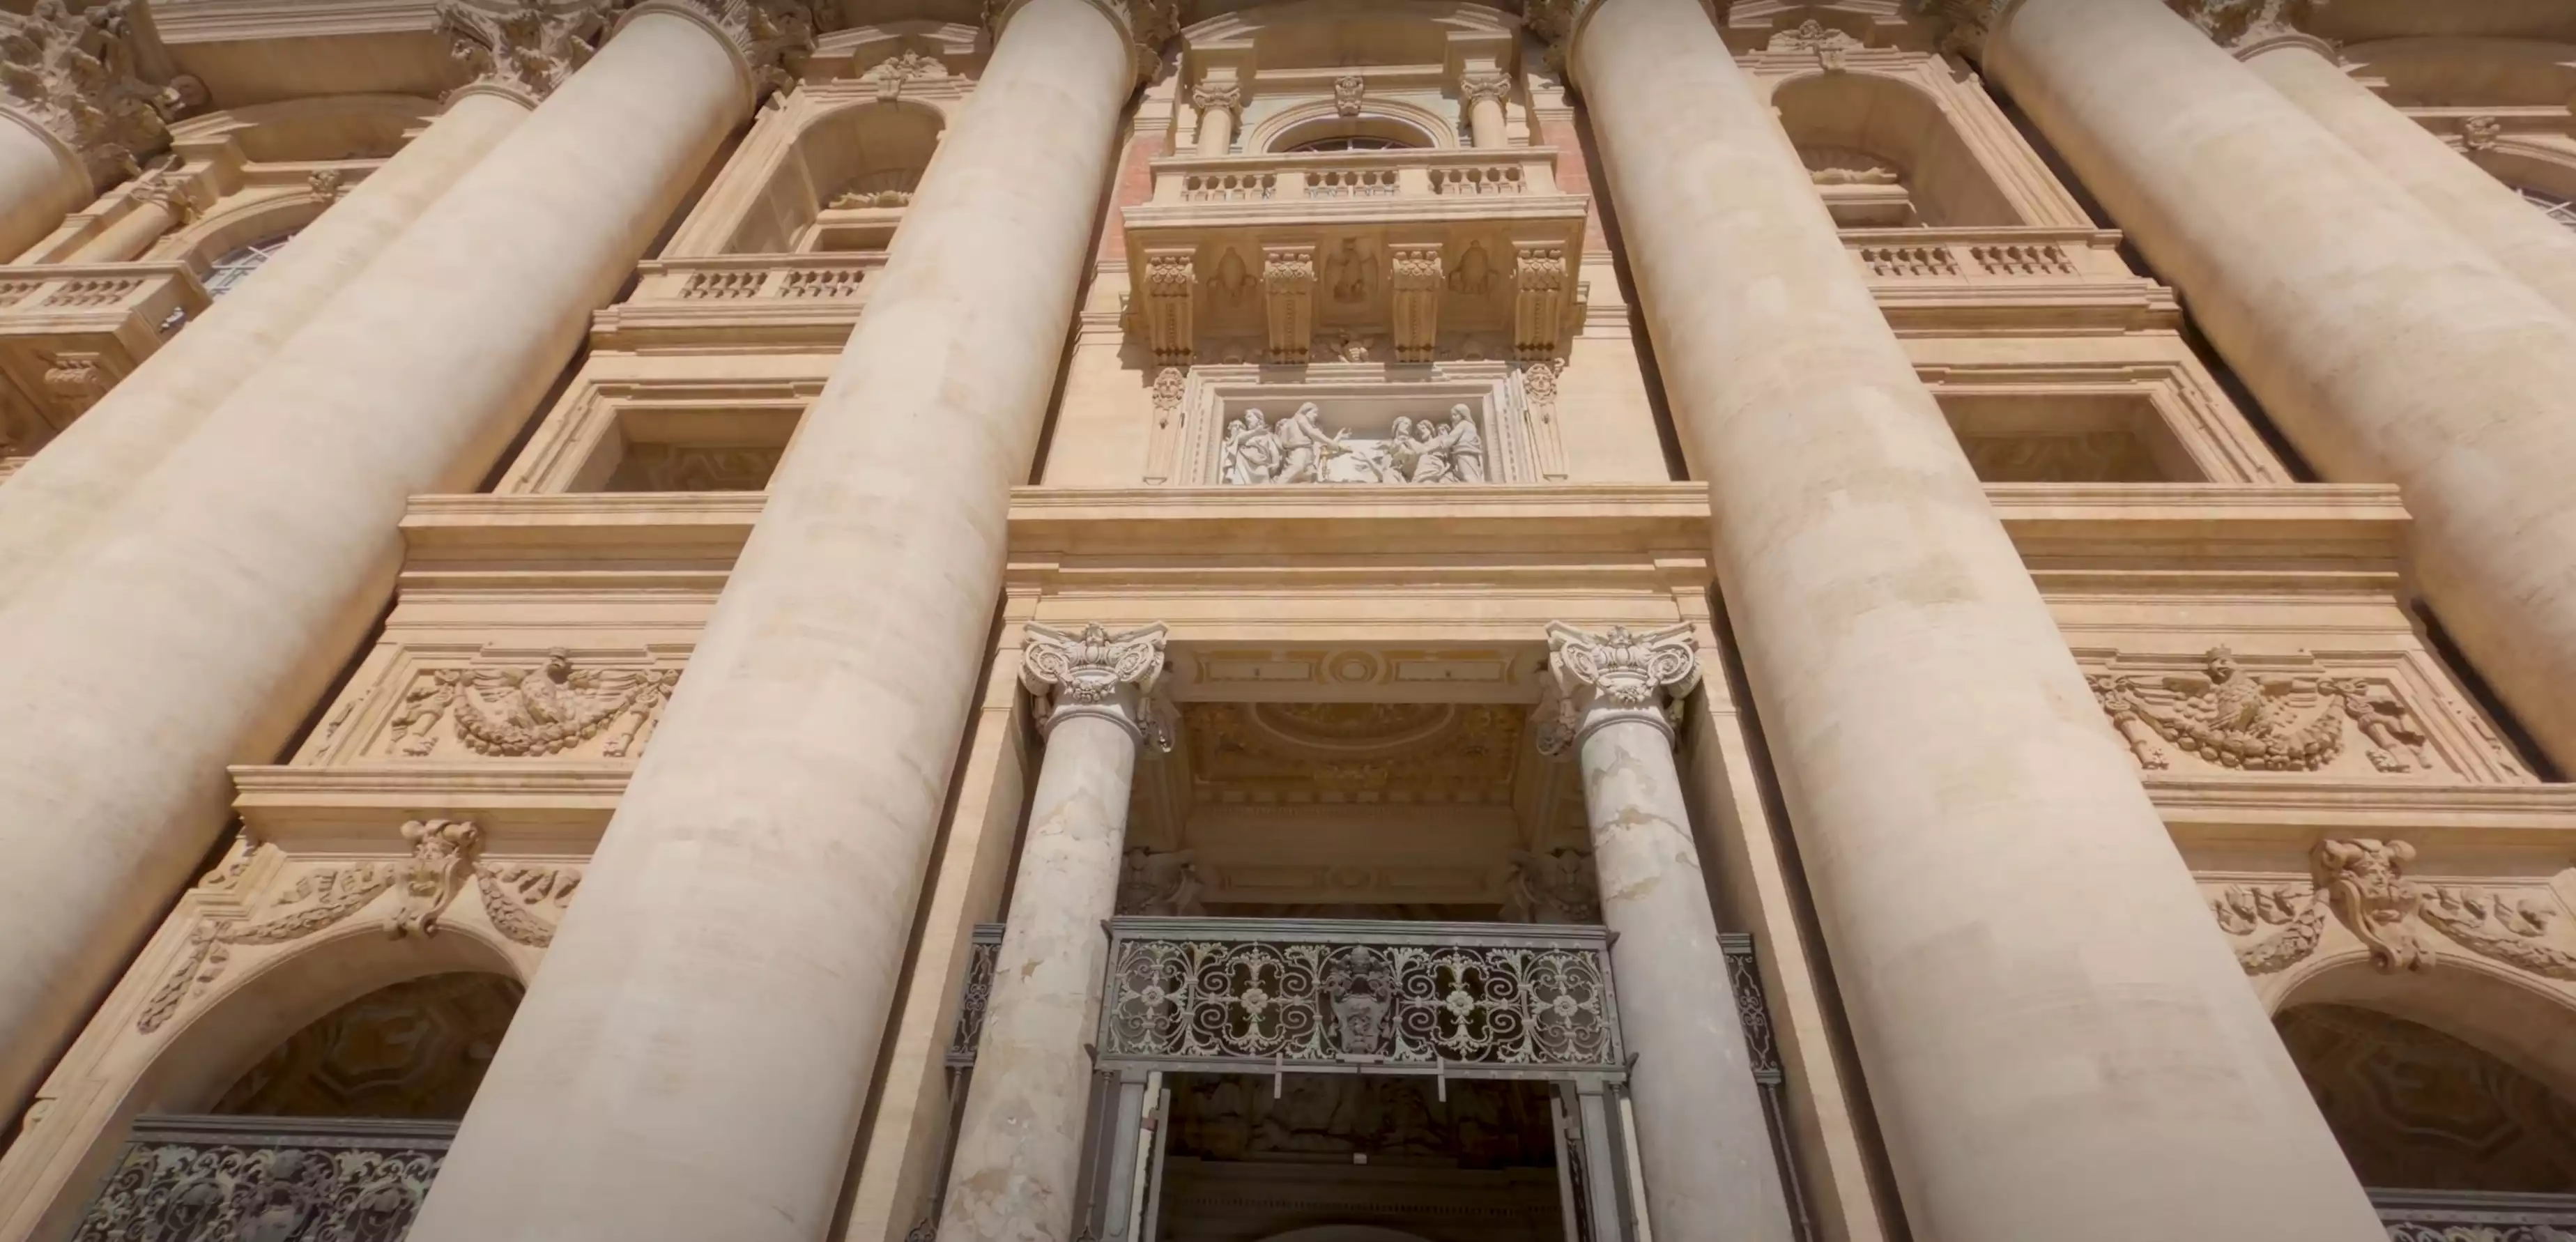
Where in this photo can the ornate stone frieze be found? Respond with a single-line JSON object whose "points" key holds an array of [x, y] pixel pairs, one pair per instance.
{"points": [[774, 36], [1160, 882], [1298, 450], [1621, 674], [1829, 47], [1555, 887], [2228, 717], [523, 47], [891, 75], [2363, 884], [1098, 672], [506, 711], [523, 901], [73, 73]]}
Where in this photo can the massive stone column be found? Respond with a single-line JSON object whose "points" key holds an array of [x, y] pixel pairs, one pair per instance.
{"points": [[1710, 1175], [743, 924], [60, 495], [2057, 1043], [74, 113], [217, 601], [2482, 210], [2387, 345], [1019, 1142]]}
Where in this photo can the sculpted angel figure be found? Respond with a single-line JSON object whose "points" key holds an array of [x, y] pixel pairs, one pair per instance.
{"points": [[1252, 452], [1466, 446]]}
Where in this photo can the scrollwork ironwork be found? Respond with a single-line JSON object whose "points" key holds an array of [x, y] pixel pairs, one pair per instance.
{"points": [[334, 1180], [1298, 991]]}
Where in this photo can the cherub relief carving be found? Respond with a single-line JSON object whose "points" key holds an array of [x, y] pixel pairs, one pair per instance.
{"points": [[2364, 883], [2235, 719], [523, 713]]}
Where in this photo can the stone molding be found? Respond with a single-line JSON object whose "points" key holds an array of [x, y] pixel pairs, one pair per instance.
{"points": [[525, 50], [73, 77], [1148, 24], [1598, 679], [773, 37], [1098, 672]]}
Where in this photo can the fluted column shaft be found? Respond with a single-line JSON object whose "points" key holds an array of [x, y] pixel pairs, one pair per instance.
{"points": [[2389, 347], [217, 601], [61, 494], [1710, 1175], [2056, 1042], [794, 787], [2482, 210], [1019, 1142]]}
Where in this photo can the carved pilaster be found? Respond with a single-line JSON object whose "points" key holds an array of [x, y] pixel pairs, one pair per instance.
{"points": [[1539, 281], [1417, 276], [772, 36], [73, 76], [523, 48], [1288, 294], [1598, 679], [1171, 303], [1098, 672]]}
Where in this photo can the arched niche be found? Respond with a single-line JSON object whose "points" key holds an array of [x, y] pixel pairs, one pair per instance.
{"points": [[843, 181], [415, 1049], [334, 983], [1868, 137], [2416, 1108], [2520, 1021], [1306, 126]]}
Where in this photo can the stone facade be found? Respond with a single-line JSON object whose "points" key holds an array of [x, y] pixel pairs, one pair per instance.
{"points": [[1155, 619]]}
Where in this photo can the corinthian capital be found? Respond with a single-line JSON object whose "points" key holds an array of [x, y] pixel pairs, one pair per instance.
{"points": [[524, 48], [1557, 24], [2244, 26], [73, 76], [1594, 679], [1098, 672], [1149, 25], [773, 36]]}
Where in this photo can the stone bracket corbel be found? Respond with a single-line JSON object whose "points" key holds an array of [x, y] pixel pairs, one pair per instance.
{"points": [[1171, 304], [1288, 298], [1541, 281], [1417, 278]]}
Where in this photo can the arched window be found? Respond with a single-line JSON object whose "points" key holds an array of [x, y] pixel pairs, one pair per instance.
{"points": [[2561, 210], [236, 267], [1350, 142]]}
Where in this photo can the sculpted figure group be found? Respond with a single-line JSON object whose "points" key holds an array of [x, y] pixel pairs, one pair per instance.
{"points": [[1297, 449]]}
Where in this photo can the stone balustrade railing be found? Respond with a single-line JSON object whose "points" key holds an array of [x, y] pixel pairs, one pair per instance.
{"points": [[326, 1179], [69, 332], [1983, 256], [775, 296], [1292, 178], [2475, 1216]]}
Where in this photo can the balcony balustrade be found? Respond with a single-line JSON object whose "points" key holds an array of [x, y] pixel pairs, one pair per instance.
{"points": [[200, 1179], [776, 298], [68, 333], [1947, 276], [2475, 1216]]}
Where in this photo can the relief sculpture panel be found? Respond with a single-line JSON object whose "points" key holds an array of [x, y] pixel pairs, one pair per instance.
{"points": [[501, 705], [2217, 713]]}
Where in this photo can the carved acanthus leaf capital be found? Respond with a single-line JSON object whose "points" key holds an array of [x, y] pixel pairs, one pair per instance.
{"points": [[1149, 25], [74, 75], [1621, 674], [773, 36], [1218, 97], [2248, 26], [525, 48], [1098, 672], [1492, 86]]}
